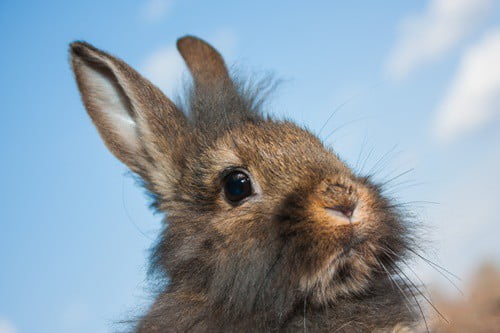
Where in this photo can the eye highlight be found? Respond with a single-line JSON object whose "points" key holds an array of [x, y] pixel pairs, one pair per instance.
{"points": [[237, 186]]}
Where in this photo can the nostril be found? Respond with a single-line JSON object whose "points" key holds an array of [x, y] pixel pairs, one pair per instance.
{"points": [[342, 210]]}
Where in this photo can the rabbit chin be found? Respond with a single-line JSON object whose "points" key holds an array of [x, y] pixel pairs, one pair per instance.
{"points": [[346, 272]]}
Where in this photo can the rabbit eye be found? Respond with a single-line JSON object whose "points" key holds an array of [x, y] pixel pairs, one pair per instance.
{"points": [[237, 186]]}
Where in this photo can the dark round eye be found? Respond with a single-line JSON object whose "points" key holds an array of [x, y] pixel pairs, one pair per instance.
{"points": [[237, 186]]}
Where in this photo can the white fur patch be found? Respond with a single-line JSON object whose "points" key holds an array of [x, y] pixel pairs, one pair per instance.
{"points": [[106, 95]]}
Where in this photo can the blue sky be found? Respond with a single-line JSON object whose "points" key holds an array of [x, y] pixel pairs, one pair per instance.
{"points": [[420, 76]]}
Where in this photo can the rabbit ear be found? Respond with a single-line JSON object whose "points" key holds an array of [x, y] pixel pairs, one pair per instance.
{"points": [[204, 62], [137, 122]]}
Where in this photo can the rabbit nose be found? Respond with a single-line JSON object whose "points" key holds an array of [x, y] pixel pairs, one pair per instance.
{"points": [[343, 211]]}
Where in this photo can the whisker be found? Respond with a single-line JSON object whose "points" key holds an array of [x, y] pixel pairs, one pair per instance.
{"points": [[127, 213], [441, 270], [402, 185], [340, 106], [342, 126], [381, 159], [416, 275], [305, 305], [396, 177], [365, 160], [414, 297], [421, 294], [358, 159], [434, 264], [266, 277], [344, 326], [394, 283], [350, 99], [408, 203]]}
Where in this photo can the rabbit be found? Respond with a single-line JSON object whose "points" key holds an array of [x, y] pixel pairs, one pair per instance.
{"points": [[266, 229]]}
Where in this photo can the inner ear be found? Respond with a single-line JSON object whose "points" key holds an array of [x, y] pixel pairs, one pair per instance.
{"points": [[112, 103], [109, 82]]}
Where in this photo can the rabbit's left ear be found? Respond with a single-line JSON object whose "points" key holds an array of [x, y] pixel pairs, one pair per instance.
{"points": [[136, 121]]}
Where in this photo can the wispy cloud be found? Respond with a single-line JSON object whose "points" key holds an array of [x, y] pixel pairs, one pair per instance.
{"points": [[6, 326], [164, 67], [427, 36], [155, 10], [473, 97]]}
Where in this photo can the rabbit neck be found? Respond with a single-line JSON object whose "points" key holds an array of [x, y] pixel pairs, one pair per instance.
{"points": [[382, 308]]}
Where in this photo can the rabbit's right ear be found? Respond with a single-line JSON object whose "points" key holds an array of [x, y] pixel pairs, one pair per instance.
{"points": [[204, 62], [137, 122]]}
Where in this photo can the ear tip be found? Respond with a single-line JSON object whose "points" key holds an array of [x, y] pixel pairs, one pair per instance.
{"points": [[186, 38], [77, 47], [81, 48], [189, 41]]}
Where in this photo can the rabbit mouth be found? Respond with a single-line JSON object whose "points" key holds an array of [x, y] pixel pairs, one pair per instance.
{"points": [[354, 242], [350, 259], [346, 272]]}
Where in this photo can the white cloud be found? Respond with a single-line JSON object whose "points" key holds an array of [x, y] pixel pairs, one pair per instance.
{"points": [[155, 10], [7, 327], [473, 97], [428, 36], [164, 67]]}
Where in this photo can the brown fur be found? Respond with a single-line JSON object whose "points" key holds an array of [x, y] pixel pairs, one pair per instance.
{"points": [[279, 261]]}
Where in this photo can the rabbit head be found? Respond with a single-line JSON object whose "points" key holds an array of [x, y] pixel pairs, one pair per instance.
{"points": [[260, 214]]}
